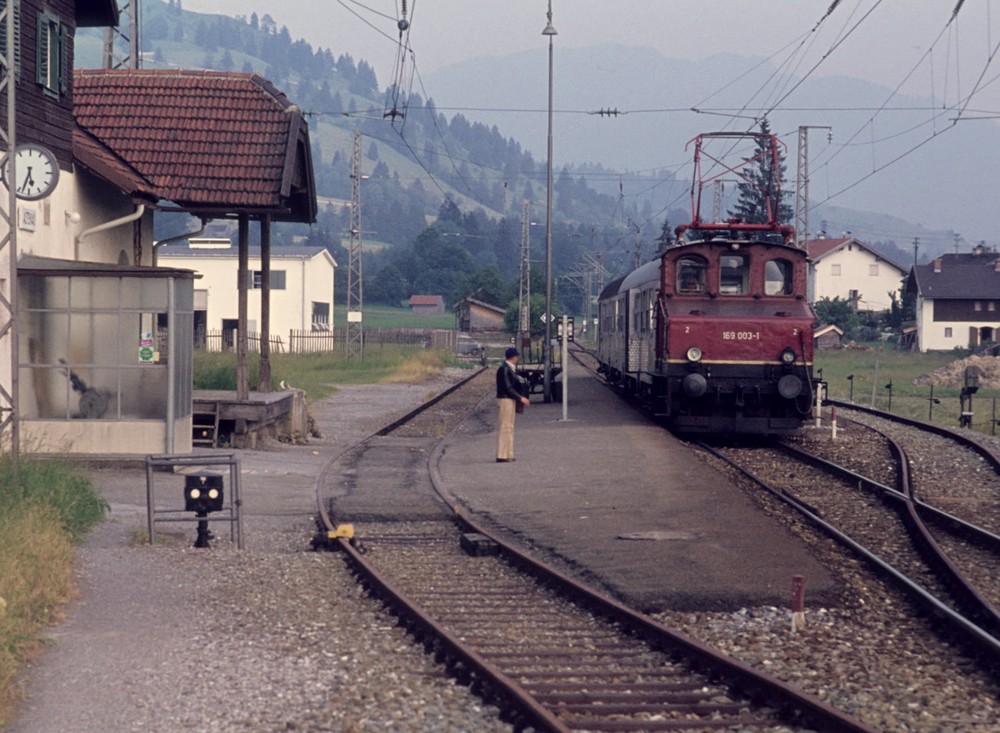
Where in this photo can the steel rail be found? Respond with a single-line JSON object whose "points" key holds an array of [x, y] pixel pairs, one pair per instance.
{"points": [[981, 641], [971, 602], [323, 513], [522, 706], [962, 439], [744, 678]]}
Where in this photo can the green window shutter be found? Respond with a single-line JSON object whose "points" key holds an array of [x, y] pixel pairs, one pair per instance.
{"points": [[49, 56]]}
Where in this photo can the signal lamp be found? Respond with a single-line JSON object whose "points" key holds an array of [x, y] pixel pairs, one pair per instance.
{"points": [[203, 493], [694, 354]]}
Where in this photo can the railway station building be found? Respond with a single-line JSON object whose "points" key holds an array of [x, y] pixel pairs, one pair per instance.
{"points": [[95, 341]]}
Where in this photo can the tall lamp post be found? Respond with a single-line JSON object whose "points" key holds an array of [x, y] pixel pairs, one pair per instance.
{"points": [[549, 31]]}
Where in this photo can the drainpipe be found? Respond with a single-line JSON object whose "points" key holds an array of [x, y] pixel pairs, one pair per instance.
{"points": [[171, 367], [127, 219], [179, 237]]}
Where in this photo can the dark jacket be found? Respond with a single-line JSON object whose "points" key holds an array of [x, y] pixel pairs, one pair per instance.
{"points": [[508, 383]]}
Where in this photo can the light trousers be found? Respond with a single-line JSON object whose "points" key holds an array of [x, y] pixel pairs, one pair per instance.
{"points": [[505, 428]]}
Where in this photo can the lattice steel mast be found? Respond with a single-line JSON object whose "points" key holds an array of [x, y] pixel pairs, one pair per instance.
{"points": [[121, 48], [9, 428]]}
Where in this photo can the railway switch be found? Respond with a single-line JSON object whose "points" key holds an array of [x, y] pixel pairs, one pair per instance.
{"points": [[203, 493]]}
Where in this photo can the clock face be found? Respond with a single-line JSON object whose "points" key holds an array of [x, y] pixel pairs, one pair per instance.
{"points": [[36, 171]]}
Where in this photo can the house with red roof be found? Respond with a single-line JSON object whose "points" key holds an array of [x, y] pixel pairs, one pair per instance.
{"points": [[851, 270]]}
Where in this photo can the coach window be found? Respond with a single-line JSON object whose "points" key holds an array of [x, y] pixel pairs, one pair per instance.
{"points": [[734, 274], [691, 274], [778, 277]]}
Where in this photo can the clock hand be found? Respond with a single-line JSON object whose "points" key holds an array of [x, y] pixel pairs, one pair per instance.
{"points": [[28, 181]]}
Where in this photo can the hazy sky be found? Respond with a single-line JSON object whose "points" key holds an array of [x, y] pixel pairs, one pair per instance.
{"points": [[909, 46], [879, 40]]}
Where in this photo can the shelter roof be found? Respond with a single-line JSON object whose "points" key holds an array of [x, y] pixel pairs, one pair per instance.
{"points": [[96, 13], [211, 143]]}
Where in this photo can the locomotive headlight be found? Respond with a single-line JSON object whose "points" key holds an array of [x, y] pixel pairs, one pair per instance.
{"points": [[694, 354], [788, 357]]}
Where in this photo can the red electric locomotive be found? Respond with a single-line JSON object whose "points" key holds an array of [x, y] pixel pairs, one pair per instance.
{"points": [[716, 335]]}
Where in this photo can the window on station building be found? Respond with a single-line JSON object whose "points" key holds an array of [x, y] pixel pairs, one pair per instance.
{"points": [[99, 347], [51, 68], [734, 274], [778, 277]]}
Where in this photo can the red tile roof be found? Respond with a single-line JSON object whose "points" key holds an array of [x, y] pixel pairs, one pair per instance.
{"points": [[209, 142], [426, 300], [817, 248]]}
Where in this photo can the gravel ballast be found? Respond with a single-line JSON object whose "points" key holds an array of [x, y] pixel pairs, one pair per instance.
{"points": [[275, 637]]}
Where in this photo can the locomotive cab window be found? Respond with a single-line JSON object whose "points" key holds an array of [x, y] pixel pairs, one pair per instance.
{"points": [[778, 277], [734, 274], [691, 274]]}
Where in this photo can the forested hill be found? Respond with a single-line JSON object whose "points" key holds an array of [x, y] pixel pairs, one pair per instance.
{"points": [[420, 166]]}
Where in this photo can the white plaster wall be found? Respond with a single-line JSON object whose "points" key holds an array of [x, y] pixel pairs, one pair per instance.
{"points": [[306, 280], [855, 275], [931, 335], [46, 228]]}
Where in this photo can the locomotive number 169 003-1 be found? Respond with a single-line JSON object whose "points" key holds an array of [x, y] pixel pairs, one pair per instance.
{"points": [[741, 335]]}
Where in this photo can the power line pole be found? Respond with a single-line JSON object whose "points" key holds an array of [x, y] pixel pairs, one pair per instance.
{"points": [[355, 294], [121, 48], [524, 290], [802, 185], [549, 31]]}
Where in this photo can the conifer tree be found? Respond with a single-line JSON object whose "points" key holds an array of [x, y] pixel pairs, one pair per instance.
{"points": [[763, 186]]}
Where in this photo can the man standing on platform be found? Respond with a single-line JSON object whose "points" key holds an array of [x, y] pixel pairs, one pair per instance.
{"points": [[509, 398]]}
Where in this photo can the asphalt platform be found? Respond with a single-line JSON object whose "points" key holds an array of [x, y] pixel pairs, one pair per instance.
{"points": [[623, 501]]}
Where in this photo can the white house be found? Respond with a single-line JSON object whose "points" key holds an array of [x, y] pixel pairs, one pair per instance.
{"points": [[302, 283], [957, 301], [851, 270]]}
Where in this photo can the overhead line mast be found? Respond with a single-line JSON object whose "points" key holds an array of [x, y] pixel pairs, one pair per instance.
{"points": [[9, 427], [122, 49]]}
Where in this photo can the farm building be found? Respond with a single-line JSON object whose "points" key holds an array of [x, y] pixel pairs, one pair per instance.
{"points": [[475, 315], [430, 305]]}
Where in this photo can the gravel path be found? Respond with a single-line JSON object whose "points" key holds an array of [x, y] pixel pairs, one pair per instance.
{"points": [[276, 637]]}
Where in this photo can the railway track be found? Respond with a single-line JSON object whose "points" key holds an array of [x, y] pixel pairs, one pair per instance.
{"points": [[945, 564], [550, 652]]}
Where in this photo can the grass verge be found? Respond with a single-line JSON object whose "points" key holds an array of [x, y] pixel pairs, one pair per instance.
{"points": [[318, 374], [44, 507]]}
